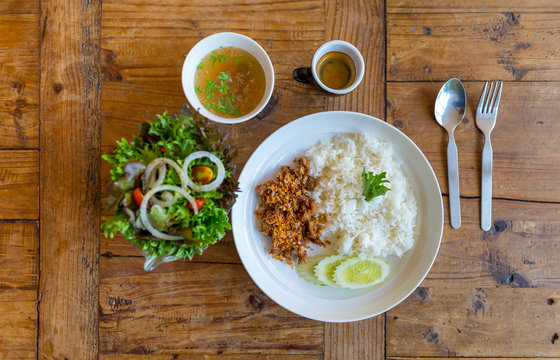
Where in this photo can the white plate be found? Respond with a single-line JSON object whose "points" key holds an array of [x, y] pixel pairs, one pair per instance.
{"points": [[277, 279]]}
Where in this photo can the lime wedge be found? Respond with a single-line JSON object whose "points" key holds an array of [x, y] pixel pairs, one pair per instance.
{"points": [[305, 270], [358, 273], [325, 269]]}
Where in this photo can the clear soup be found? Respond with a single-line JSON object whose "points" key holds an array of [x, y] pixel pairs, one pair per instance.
{"points": [[230, 82]]}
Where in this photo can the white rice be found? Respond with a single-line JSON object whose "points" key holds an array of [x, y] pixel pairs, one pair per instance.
{"points": [[384, 226]]}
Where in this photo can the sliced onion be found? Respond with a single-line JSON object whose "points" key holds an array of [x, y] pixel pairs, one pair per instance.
{"points": [[155, 174], [167, 199], [159, 170], [144, 212], [162, 160], [220, 176]]}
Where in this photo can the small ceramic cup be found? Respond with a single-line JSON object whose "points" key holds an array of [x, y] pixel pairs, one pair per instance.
{"points": [[205, 47], [309, 75]]}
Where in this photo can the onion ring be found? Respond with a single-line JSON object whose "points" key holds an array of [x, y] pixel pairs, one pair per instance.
{"points": [[151, 180], [144, 213], [220, 176], [159, 165]]}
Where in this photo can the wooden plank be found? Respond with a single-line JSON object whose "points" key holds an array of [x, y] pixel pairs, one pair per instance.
{"points": [[362, 24], [466, 358], [18, 289], [475, 322], [217, 355], [173, 310], [69, 196], [19, 79], [17, 323], [295, 20], [363, 339], [222, 252], [486, 290], [508, 46], [18, 255], [525, 139], [19, 184], [457, 6], [521, 250]]}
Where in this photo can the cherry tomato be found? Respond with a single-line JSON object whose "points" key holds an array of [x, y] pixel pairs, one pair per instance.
{"points": [[201, 174], [199, 203], [138, 196]]}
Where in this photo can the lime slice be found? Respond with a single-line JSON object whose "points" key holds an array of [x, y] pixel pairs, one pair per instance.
{"points": [[305, 270], [325, 269], [358, 273]]}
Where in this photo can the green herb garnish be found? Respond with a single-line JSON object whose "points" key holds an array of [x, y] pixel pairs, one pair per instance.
{"points": [[210, 89], [240, 59], [219, 58], [224, 104], [373, 184]]}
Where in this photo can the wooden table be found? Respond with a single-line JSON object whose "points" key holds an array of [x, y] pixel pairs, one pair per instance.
{"points": [[76, 75]]}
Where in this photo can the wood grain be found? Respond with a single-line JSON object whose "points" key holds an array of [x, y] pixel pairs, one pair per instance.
{"points": [[464, 358], [362, 24], [173, 311], [488, 294], [521, 249], [69, 196], [18, 289], [205, 355], [508, 46], [19, 184], [18, 255], [479, 6], [475, 322], [222, 252], [17, 323], [525, 139], [19, 78]]}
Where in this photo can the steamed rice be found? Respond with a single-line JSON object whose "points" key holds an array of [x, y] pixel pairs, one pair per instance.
{"points": [[382, 227]]}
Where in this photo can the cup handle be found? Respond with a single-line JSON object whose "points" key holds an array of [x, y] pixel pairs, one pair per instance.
{"points": [[304, 75]]}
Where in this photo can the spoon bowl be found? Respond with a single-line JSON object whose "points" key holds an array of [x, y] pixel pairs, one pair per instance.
{"points": [[451, 103], [449, 111]]}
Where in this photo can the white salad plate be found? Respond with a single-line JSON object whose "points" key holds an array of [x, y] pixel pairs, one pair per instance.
{"points": [[280, 281]]}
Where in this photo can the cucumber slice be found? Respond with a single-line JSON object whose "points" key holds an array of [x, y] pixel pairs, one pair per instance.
{"points": [[358, 273], [306, 270], [324, 270]]}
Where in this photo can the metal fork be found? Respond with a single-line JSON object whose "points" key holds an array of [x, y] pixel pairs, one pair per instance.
{"points": [[485, 120]]}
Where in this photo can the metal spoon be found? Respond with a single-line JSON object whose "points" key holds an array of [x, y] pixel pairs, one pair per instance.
{"points": [[449, 110]]}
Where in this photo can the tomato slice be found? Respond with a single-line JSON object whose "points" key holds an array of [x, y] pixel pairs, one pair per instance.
{"points": [[201, 174], [138, 196], [199, 203]]}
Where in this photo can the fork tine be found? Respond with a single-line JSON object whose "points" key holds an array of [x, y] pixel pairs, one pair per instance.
{"points": [[497, 101], [491, 94], [481, 101]]}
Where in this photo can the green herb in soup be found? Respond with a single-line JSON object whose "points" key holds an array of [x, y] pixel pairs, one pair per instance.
{"points": [[229, 82]]}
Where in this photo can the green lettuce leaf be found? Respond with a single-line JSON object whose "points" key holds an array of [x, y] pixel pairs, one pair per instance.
{"points": [[174, 137]]}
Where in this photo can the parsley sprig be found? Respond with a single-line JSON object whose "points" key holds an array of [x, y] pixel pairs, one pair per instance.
{"points": [[373, 184], [225, 102]]}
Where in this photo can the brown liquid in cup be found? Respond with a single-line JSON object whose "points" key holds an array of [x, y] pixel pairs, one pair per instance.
{"points": [[336, 70]]}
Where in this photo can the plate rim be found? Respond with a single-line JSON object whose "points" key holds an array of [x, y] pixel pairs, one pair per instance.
{"points": [[237, 209]]}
